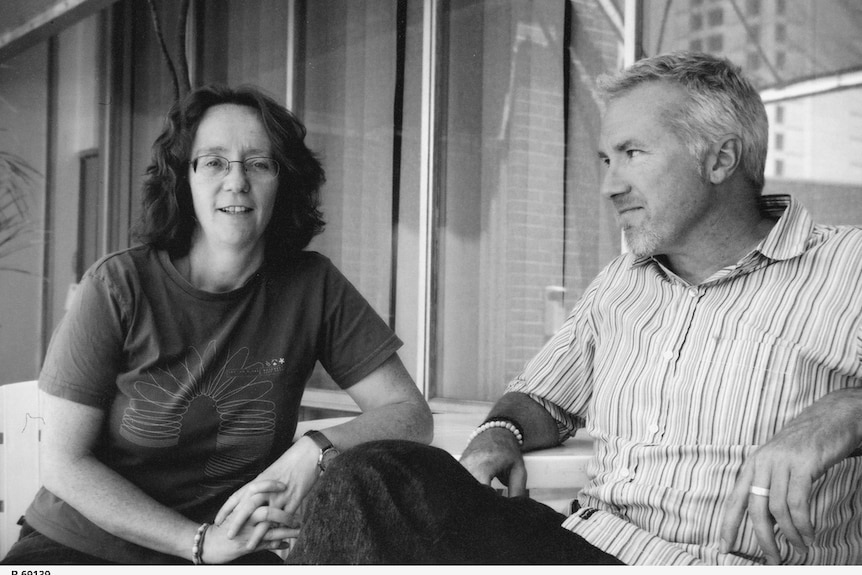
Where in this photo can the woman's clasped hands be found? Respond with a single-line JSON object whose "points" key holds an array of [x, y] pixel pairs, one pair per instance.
{"points": [[266, 512]]}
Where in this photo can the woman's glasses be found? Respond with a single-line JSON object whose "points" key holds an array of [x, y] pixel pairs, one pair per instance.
{"points": [[216, 167]]}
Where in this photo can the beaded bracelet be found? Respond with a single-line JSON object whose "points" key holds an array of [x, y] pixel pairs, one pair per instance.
{"points": [[503, 422], [198, 546]]}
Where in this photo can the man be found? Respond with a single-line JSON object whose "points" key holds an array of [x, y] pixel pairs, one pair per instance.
{"points": [[717, 365]]}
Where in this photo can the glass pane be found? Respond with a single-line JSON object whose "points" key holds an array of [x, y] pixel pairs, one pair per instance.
{"points": [[348, 75], [794, 52], [23, 158], [77, 198], [246, 43], [523, 227]]}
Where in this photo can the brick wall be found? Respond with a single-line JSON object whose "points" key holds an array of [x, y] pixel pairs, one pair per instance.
{"points": [[555, 234]]}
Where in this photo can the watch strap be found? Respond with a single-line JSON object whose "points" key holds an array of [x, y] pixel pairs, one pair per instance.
{"points": [[322, 443], [321, 440]]}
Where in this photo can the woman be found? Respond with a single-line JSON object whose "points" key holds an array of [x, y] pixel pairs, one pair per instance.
{"points": [[171, 389]]}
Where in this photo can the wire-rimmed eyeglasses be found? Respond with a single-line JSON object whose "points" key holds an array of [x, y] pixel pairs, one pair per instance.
{"points": [[213, 167]]}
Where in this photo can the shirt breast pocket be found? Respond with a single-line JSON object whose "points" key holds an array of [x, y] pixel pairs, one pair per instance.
{"points": [[750, 387]]}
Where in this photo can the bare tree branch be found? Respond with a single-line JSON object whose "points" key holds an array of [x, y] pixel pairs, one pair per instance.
{"points": [[168, 61], [186, 81]]}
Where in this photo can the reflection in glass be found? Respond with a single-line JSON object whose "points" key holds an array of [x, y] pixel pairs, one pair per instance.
{"points": [[522, 221], [348, 74]]}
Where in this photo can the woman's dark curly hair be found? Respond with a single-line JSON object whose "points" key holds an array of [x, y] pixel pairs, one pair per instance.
{"points": [[168, 217]]}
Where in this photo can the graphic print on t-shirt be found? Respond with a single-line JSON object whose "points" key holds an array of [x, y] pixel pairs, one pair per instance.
{"points": [[235, 392]]}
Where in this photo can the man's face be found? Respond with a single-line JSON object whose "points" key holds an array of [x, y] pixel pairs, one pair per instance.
{"points": [[652, 178]]}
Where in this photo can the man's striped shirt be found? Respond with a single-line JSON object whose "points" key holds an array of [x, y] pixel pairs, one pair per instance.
{"points": [[679, 383]]}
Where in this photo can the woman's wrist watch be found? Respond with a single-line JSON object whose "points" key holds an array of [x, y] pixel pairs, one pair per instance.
{"points": [[328, 452]]}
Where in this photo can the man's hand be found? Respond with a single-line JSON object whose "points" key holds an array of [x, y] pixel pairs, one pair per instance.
{"points": [[495, 453], [786, 468]]}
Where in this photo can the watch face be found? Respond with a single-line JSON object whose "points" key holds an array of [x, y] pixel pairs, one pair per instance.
{"points": [[328, 456]]}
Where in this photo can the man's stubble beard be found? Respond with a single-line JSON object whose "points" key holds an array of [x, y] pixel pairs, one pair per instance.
{"points": [[641, 242]]}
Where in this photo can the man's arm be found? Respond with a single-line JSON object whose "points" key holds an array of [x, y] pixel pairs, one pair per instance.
{"points": [[497, 453], [788, 466]]}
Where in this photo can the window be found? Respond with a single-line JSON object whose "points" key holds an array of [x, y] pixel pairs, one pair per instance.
{"points": [[754, 34], [752, 7], [715, 43], [521, 217], [462, 184], [349, 79], [752, 61], [715, 17], [348, 95], [24, 127]]}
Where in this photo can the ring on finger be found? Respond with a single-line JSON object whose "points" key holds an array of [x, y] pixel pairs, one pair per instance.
{"points": [[759, 491]]}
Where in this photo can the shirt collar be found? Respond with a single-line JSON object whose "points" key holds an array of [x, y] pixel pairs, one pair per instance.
{"points": [[787, 239]]}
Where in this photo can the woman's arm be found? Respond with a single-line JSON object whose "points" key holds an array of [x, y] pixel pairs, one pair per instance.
{"points": [[392, 408], [71, 472]]}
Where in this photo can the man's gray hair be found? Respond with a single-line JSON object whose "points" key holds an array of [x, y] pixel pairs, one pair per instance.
{"points": [[721, 102]]}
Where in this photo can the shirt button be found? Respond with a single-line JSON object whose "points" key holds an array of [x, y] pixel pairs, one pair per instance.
{"points": [[653, 428], [667, 354], [692, 292], [625, 472]]}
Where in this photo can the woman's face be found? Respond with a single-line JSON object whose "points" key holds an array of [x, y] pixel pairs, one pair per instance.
{"points": [[232, 207]]}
